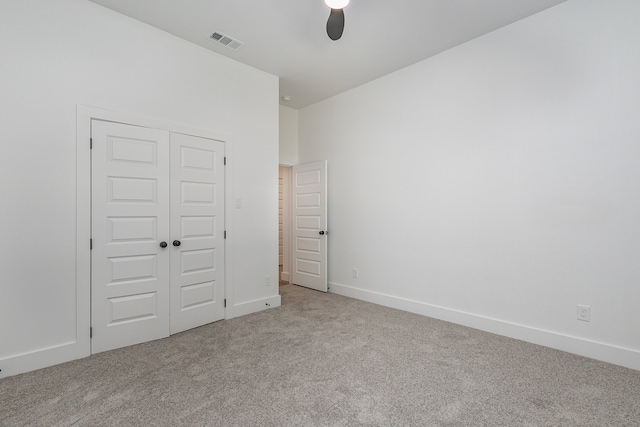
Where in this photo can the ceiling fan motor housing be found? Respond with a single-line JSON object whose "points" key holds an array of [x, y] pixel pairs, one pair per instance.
{"points": [[335, 24]]}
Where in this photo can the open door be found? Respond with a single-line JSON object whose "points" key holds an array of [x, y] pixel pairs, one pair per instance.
{"points": [[309, 212]]}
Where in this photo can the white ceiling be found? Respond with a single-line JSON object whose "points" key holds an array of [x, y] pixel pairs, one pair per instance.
{"points": [[288, 38]]}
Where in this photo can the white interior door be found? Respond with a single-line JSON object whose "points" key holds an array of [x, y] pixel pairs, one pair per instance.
{"points": [[130, 211], [197, 229], [309, 210], [157, 234]]}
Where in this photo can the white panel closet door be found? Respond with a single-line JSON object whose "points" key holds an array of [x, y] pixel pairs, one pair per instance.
{"points": [[310, 225], [130, 211], [197, 229]]}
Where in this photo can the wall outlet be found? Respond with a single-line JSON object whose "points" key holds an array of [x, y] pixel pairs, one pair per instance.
{"points": [[267, 280], [584, 313], [355, 273]]}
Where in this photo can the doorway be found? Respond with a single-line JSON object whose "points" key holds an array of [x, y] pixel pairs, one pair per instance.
{"points": [[302, 221], [284, 225]]}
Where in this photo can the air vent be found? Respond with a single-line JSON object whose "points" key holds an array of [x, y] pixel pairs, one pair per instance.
{"points": [[225, 40]]}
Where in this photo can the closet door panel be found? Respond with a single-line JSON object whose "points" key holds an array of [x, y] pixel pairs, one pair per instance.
{"points": [[130, 218], [197, 229]]}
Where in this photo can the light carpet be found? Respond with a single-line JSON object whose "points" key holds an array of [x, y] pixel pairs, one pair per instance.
{"points": [[326, 360]]}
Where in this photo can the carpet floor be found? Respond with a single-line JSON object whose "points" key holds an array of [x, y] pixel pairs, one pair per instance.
{"points": [[326, 360]]}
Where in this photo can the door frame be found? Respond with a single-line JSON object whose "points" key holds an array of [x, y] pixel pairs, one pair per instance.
{"points": [[84, 115]]}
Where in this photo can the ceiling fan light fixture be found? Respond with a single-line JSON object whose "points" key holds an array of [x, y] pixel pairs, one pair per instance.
{"points": [[336, 4]]}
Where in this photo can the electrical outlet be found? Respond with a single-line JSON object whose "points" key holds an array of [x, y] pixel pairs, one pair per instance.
{"points": [[355, 273], [584, 313], [267, 280]]}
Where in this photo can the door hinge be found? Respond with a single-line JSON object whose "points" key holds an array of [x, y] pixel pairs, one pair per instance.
{"points": [[90, 244], [225, 234], [225, 302], [225, 161], [91, 332], [90, 143]]}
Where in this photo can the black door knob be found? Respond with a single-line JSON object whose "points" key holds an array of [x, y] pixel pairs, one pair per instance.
{"points": [[176, 243], [321, 233], [163, 244]]}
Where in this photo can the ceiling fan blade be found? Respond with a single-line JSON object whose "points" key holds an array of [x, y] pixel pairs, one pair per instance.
{"points": [[335, 24]]}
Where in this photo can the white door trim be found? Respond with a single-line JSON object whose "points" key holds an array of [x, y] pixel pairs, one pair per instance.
{"points": [[84, 115]]}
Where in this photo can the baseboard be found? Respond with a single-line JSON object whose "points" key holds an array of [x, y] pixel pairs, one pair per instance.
{"points": [[595, 350], [254, 306], [42, 358], [286, 277]]}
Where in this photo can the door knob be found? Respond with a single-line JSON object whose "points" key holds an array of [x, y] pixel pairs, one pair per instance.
{"points": [[322, 233], [163, 244], [176, 243]]}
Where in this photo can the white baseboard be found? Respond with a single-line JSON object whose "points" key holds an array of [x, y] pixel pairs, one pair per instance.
{"points": [[286, 276], [42, 358], [249, 307], [595, 350]]}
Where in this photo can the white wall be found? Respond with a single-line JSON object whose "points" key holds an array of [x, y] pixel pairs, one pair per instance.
{"points": [[57, 54], [498, 184], [288, 136]]}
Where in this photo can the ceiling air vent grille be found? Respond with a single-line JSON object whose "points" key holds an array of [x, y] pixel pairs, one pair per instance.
{"points": [[225, 40]]}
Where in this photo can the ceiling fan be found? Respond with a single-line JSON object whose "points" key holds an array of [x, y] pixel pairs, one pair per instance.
{"points": [[335, 23]]}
